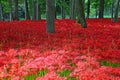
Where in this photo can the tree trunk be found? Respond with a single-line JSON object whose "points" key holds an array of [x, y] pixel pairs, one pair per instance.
{"points": [[55, 9], [101, 9], [63, 10], [72, 9], [88, 9], [112, 9], [81, 14], [50, 16], [16, 10], [1, 11], [76, 7], [27, 16], [11, 14], [34, 10], [38, 10], [115, 18]]}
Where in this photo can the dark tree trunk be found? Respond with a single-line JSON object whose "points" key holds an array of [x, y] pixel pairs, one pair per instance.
{"points": [[115, 18], [55, 9], [27, 16], [76, 7], [10, 6], [72, 9], [63, 10], [81, 14], [112, 10], [88, 9], [38, 10], [50, 16], [1, 11], [34, 10], [101, 8], [16, 10]]}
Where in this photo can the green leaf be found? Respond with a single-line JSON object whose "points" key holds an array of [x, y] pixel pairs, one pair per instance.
{"points": [[64, 73], [30, 77], [71, 78], [42, 72], [107, 63]]}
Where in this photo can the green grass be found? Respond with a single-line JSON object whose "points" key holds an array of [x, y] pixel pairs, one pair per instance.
{"points": [[64, 73], [38, 74], [71, 78], [42, 72], [30, 77], [107, 63]]}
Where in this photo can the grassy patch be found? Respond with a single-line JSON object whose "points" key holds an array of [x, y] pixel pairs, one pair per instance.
{"points": [[107, 63], [34, 76], [71, 78], [42, 72], [64, 73]]}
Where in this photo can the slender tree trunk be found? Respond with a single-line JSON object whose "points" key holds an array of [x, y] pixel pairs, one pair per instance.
{"points": [[112, 10], [81, 15], [11, 14], [16, 10], [1, 11], [34, 10], [63, 10], [72, 9], [38, 10], [115, 18], [50, 16], [55, 9], [76, 7], [88, 9], [101, 9], [27, 16]]}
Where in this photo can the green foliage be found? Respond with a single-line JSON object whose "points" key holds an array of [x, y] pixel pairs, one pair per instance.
{"points": [[42, 72], [30, 77], [71, 78], [64, 73], [107, 63], [38, 74], [4, 78]]}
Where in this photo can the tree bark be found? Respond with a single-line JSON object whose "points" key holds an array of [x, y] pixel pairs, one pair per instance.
{"points": [[63, 10], [38, 10], [101, 8], [1, 11], [34, 10], [50, 16], [72, 9], [11, 14], [115, 18], [81, 14], [88, 9], [27, 16], [16, 10]]}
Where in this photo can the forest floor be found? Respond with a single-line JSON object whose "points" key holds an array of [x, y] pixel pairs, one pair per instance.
{"points": [[27, 52]]}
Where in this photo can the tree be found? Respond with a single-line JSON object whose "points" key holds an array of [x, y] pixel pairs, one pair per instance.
{"points": [[38, 10], [88, 8], [27, 16], [50, 16], [10, 6], [81, 14], [62, 10], [16, 10], [72, 9], [1, 11], [115, 15], [101, 8], [34, 10]]}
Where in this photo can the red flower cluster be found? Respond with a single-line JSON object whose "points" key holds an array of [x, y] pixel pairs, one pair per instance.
{"points": [[27, 48]]}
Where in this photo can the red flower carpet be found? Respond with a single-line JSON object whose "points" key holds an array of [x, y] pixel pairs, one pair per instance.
{"points": [[71, 53]]}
